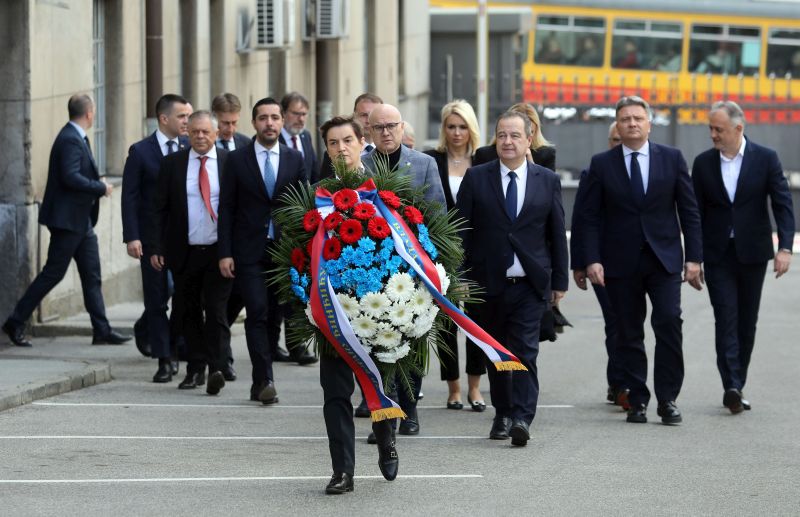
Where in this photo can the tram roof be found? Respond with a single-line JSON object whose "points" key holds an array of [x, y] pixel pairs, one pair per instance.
{"points": [[759, 8]]}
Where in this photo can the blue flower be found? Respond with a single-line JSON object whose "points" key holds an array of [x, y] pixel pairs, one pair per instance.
{"points": [[294, 275], [304, 281], [366, 244], [425, 241], [300, 293]]}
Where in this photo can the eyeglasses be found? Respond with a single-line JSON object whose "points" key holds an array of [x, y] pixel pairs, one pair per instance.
{"points": [[379, 128]]}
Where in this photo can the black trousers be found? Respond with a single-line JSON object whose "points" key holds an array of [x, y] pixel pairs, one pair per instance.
{"points": [[202, 295], [251, 285], [513, 319], [338, 384], [615, 373], [448, 361], [64, 246], [628, 296], [156, 291], [735, 292]]}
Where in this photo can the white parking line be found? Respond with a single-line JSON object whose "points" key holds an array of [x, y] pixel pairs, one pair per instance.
{"points": [[254, 405], [213, 438], [198, 480]]}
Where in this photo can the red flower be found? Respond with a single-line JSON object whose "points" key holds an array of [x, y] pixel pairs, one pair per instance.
{"points": [[332, 249], [378, 228], [309, 247], [350, 231], [333, 220], [311, 220], [413, 215], [364, 211], [299, 259], [345, 199], [390, 198]]}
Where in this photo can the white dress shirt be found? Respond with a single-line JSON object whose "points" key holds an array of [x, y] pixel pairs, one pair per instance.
{"points": [[202, 229], [522, 181], [231, 144], [274, 153], [162, 143], [731, 168], [287, 137], [643, 159], [455, 185]]}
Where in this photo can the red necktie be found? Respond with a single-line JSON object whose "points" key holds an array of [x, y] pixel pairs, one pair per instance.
{"points": [[205, 187], [294, 142]]}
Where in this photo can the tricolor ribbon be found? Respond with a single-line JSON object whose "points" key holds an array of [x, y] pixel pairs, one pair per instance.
{"points": [[335, 325]]}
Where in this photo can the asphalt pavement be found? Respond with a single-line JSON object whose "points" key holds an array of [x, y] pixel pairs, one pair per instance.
{"points": [[126, 446]]}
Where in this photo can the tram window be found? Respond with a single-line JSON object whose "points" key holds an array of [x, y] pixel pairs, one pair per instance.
{"points": [[783, 52], [724, 49], [569, 40], [646, 45]]}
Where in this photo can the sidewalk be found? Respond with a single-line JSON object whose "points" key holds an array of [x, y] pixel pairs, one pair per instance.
{"points": [[62, 358]]}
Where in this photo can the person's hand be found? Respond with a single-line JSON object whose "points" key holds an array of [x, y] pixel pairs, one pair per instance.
{"points": [[596, 274], [556, 297], [157, 261], [781, 263], [135, 249], [109, 188], [579, 275], [693, 274], [226, 267]]}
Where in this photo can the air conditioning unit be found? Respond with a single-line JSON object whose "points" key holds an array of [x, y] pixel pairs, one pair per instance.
{"points": [[274, 23], [325, 19]]}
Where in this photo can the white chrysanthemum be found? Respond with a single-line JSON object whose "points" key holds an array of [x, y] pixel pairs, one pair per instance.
{"points": [[393, 355], [443, 278], [422, 324], [421, 300], [386, 336], [400, 314], [364, 326], [349, 305], [310, 316], [375, 304], [400, 287]]}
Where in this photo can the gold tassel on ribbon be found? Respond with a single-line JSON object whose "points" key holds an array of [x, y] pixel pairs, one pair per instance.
{"points": [[387, 413], [506, 366]]}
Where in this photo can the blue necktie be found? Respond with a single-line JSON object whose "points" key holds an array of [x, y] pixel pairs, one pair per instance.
{"points": [[269, 176], [637, 184], [170, 148], [511, 196]]}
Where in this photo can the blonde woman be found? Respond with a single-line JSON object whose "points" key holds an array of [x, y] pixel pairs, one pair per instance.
{"points": [[542, 152], [458, 139]]}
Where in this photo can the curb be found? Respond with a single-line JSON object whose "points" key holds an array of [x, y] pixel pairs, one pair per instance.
{"points": [[91, 375], [58, 330]]}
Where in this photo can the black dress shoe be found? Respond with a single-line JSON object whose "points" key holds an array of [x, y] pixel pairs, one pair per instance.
{"points": [[216, 381], [362, 411], [112, 338], [305, 358], [637, 414], [388, 461], [409, 426], [668, 411], [500, 428], [455, 404], [265, 393], [279, 355], [164, 373], [733, 400], [229, 373], [520, 433], [192, 381], [140, 337], [340, 483], [477, 405], [15, 334]]}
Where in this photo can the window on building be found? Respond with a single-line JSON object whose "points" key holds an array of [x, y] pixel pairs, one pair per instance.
{"points": [[783, 52], [569, 40], [99, 54], [724, 49], [647, 45]]}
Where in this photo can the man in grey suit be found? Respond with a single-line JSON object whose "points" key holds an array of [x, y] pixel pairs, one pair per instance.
{"points": [[386, 125]]}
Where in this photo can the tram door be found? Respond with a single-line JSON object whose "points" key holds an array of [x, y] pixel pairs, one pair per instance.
{"points": [[454, 62]]}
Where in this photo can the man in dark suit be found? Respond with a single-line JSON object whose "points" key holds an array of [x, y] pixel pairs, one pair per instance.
{"points": [[69, 210], [617, 392], [343, 139], [362, 107], [184, 233], [227, 108], [732, 182], [516, 251], [294, 133], [639, 199], [139, 183], [255, 178]]}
